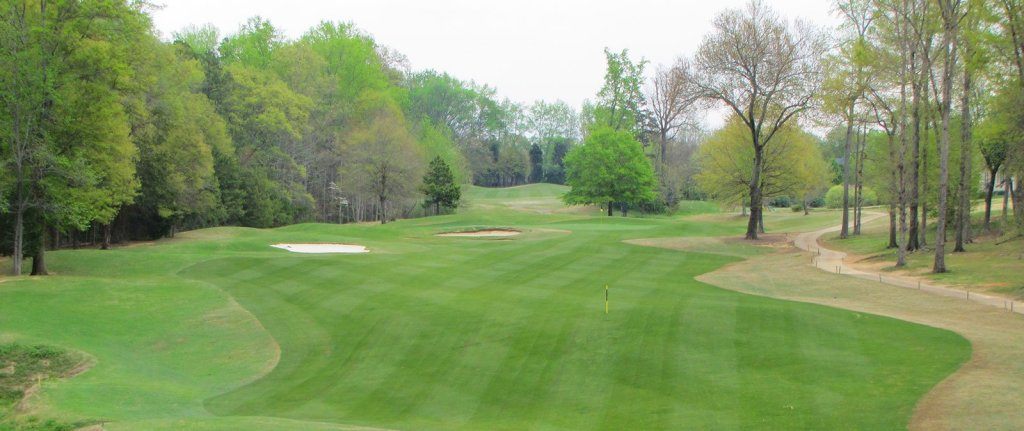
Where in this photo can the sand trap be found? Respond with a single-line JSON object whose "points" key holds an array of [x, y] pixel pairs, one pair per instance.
{"points": [[322, 248], [485, 233]]}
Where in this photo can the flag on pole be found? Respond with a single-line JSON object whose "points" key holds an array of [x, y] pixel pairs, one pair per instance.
{"points": [[606, 299]]}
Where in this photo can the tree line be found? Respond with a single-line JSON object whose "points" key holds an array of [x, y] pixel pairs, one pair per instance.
{"points": [[928, 92], [916, 95], [110, 133]]}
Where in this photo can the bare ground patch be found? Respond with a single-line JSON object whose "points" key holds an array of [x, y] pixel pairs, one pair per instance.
{"points": [[481, 233], [728, 246], [25, 368]]}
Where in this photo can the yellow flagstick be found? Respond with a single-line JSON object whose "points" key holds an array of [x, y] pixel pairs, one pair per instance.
{"points": [[606, 299]]}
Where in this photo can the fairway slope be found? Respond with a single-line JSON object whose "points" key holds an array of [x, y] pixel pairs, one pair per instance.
{"points": [[440, 334], [982, 394]]}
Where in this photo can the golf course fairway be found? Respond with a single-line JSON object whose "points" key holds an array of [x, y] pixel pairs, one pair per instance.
{"points": [[216, 329]]}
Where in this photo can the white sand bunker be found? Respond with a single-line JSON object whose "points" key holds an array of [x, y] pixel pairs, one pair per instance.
{"points": [[484, 233], [322, 248]]}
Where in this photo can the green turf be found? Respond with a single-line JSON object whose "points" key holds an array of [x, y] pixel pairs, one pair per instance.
{"points": [[462, 333]]}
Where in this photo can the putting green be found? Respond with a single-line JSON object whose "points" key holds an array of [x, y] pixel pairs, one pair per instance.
{"points": [[440, 333]]}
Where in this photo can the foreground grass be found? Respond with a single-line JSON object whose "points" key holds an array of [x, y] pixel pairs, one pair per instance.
{"points": [[984, 394], [463, 333]]}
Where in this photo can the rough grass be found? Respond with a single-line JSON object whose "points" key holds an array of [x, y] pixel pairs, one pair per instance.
{"points": [[986, 265], [23, 369], [217, 330]]}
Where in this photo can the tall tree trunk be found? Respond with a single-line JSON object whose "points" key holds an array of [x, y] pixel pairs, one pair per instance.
{"points": [[990, 189], [39, 262], [901, 167], [664, 143], [915, 163], [1017, 192], [845, 231], [755, 192], [1008, 189], [858, 201], [906, 59], [760, 221], [106, 236], [39, 256], [19, 237], [893, 192], [963, 216], [383, 210], [892, 226], [949, 63], [610, 206], [922, 232]]}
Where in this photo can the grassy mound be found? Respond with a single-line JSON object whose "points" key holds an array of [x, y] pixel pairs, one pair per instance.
{"points": [[23, 370]]}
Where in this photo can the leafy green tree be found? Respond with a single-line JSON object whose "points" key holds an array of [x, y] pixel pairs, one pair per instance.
{"points": [[383, 161], [609, 167], [553, 120], [440, 187], [993, 137], [177, 132], [793, 166], [200, 40], [65, 65], [554, 169], [847, 79], [252, 46], [620, 103], [265, 118], [834, 197], [766, 72], [536, 164]]}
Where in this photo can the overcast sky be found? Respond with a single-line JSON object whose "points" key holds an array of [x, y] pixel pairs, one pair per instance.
{"points": [[527, 49]]}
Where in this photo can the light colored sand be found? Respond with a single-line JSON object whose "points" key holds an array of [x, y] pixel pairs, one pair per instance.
{"points": [[489, 233], [322, 248]]}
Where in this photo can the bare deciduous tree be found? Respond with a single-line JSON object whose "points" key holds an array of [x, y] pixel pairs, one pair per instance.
{"points": [[671, 95], [765, 71], [952, 14]]}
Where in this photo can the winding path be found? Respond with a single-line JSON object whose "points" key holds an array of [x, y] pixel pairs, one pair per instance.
{"points": [[833, 261]]}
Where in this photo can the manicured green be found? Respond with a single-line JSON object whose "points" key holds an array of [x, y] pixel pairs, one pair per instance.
{"points": [[435, 333]]}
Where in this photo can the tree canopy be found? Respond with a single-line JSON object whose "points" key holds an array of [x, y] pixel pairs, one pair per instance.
{"points": [[609, 168]]}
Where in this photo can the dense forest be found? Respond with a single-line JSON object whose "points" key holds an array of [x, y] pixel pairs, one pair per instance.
{"points": [[112, 133]]}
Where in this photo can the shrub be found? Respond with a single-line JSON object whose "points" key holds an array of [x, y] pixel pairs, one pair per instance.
{"points": [[834, 197]]}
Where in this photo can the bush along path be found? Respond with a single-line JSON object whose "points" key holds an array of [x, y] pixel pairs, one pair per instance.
{"points": [[833, 261]]}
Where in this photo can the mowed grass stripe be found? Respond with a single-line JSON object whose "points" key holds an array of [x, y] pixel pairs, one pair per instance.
{"points": [[441, 333]]}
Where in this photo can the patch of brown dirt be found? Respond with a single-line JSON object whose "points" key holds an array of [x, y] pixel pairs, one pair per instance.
{"points": [[23, 404], [772, 240], [482, 233]]}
